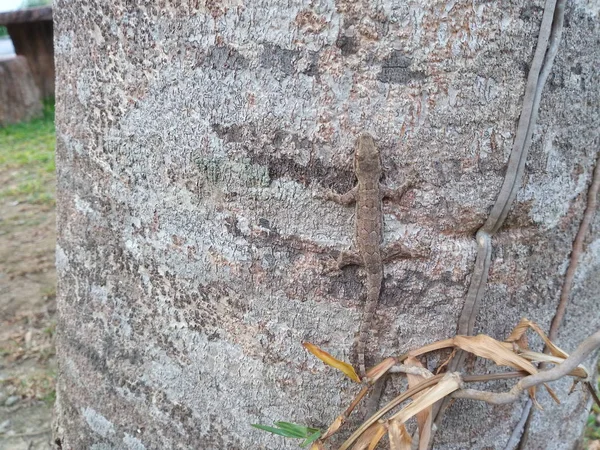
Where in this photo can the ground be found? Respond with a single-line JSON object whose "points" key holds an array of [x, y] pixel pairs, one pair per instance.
{"points": [[27, 288], [27, 284]]}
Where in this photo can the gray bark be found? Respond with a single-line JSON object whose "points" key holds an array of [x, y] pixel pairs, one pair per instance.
{"points": [[191, 141]]}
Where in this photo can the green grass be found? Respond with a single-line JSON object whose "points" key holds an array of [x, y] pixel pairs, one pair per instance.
{"points": [[27, 160]]}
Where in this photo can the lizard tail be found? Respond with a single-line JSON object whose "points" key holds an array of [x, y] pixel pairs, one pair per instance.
{"points": [[373, 289]]}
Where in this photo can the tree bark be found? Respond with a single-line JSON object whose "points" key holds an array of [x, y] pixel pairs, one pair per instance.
{"points": [[191, 141]]}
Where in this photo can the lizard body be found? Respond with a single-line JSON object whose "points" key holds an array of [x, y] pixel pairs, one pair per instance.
{"points": [[368, 195], [369, 231]]}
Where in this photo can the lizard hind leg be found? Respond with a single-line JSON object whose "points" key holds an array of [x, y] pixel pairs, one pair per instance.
{"points": [[398, 250], [349, 258]]}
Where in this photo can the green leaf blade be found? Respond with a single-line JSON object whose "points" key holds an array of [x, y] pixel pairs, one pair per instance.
{"points": [[312, 438], [273, 430], [298, 431]]}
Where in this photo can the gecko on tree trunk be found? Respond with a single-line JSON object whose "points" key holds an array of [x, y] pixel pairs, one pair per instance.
{"points": [[368, 195]]}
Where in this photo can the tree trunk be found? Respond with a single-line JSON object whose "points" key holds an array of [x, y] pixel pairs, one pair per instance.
{"points": [[192, 139]]}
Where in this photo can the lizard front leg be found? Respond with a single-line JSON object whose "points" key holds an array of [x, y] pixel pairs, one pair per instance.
{"points": [[345, 258], [396, 194], [349, 258], [343, 199], [398, 250]]}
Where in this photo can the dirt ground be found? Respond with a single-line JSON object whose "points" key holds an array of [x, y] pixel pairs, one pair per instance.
{"points": [[27, 284], [27, 322]]}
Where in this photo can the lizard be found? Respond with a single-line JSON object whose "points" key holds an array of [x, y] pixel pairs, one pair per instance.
{"points": [[368, 195]]}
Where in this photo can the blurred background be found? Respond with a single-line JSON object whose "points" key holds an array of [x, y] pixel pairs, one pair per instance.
{"points": [[27, 225]]}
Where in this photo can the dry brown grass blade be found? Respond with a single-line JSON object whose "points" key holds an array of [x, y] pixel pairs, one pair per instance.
{"points": [[445, 363], [519, 331], [424, 418], [376, 372], [339, 421], [483, 346], [522, 327], [380, 434], [446, 343], [552, 393], [578, 372], [448, 384], [335, 425], [399, 437], [387, 408], [489, 348], [437, 387], [519, 336], [317, 445], [374, 431]]}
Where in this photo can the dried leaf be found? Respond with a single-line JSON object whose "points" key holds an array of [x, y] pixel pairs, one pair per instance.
{"points": [[552, 393], [371, 433], [342, 366], [399, 437], [534, 400], [426, 384], [376, 372], [432, 347], [519, 331], [424, 418], [448, 384], [557, 357], [445, 363], [519, 336], [483, 346], [573, 386], [526, 323], [336, 424], [489, 348], [579, 371], [380, 433], [318, 445]]}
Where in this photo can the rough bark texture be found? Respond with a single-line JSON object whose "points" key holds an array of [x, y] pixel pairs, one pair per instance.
{"points": [[31, 33], [191, 140], [19, 95]]}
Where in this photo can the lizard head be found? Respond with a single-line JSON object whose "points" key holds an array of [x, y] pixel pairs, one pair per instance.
{"points": [[366, 156]]}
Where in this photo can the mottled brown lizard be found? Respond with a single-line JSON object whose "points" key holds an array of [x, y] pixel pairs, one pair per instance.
{"points": [[368, 195]]}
